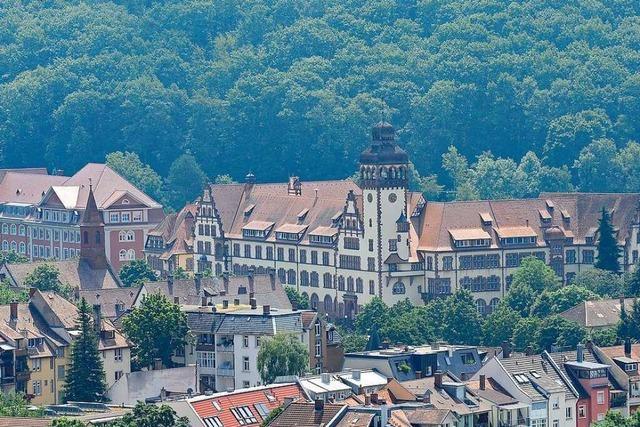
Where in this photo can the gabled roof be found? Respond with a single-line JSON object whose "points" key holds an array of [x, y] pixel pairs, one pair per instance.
{"points": [[220, 404], [540, 377], [108, 298], [27, 188], [598, 313], [299, 414]]}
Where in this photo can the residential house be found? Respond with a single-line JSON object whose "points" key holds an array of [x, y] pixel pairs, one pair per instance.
{"points": [[316, 413], [326, 353], [343, 243], [113, 301], [363, 382], [325, 387], [551, 398], [40, 214], [623, 371], [506, 411], [155, 385], [598, 314]]}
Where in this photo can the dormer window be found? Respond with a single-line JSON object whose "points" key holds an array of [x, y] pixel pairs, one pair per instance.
{"points": [[34, 342], [545, 217], [631, 367], [257, 229], [470, 237], [486, 219], [290, 232], [323, 235], [302, 215], [248, 210]]}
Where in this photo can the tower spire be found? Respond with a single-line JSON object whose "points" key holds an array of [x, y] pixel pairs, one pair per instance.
{"points": [[92, 236]]}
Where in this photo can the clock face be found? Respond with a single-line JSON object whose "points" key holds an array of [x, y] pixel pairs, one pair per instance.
{"points": [[393, 197], [370, 197]]}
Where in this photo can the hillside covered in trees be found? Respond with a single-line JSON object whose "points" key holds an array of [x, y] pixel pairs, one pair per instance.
{"points": [[284, 87]]}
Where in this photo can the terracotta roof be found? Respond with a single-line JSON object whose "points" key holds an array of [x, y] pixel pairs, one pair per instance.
{"points": [[75, 272], [469, 234], [25, 422], [304, 414], [505, 232], [26, 188], [355, 418], [108, 298], [270, 396], [598, 313], [180, 235], [426, 416], [618, 351]]}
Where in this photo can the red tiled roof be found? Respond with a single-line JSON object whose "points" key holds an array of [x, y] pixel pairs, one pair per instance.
{"points": [[250, 397]]}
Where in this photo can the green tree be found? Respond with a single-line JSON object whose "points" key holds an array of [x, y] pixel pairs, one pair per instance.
{"points": [[596, 167], [560, 332], [135, 273], [9, 294], [602, 282], [373, 314], [14, 404], [224, 179], [608, 249], [144, 415], [536, 274], [46, 277], [616, 419], [180, 274], [352, 341], [604, 337], [12, 257], [525, 333], [296, 298], [464, 324], [85, 381], [185, 181], [558, 300], [129, 166], [67, 422], [281, 355], [499, 325], [633, 284], [520, 298], [157, 329]]}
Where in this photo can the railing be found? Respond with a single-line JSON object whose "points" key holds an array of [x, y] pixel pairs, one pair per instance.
{"points": [[226, 372], [7, 380], [618, 400], [224, 348], [520, 422]]}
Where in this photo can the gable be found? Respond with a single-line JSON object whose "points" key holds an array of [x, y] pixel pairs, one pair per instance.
{"points": [[122, 200]]}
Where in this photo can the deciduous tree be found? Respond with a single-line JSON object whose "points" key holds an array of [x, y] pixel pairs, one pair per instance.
{"points": [[281, 355]]}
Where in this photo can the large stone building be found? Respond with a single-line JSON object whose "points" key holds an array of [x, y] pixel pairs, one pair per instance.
{"points": [[342, 243], [40, 213]]}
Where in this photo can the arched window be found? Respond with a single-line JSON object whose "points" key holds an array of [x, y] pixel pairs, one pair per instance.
{"points": [[349, 284], [314, 279], [398, 288], [22, 230], [14, 229], [14, 246], [282, 275], [327, 282], [236, 269], [122, 236], [85, 237], [340, 283], [314, 300], [131, 236], [122, 255], [328, 304], [304, 278], [291, 277], [97, 237], [481, 306], [359, 286], [23, 248], [493, 305], [5, 229], [131, 254]]}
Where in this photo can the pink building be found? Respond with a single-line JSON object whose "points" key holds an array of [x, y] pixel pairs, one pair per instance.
{"points": [[40, 213]]}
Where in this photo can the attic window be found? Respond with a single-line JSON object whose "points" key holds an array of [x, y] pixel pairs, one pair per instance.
{"points": [[486, 218], [336, 218], [521, 378], [248, 210], [302, 214], [270, 397], [215, 404], [212, 422], [565, 215], [549, 204], [544, 216], [125, 201], [534, 374]]}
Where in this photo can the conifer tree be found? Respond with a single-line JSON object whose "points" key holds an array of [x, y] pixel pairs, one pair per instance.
{"points": [[608, 249], [633, 286], [86, 378]]}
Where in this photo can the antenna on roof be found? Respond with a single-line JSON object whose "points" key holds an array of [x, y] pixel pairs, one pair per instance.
{"points": [[90, 184]]}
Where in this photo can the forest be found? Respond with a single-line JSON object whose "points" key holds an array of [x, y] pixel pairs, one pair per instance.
{"points": [[534, 95]]}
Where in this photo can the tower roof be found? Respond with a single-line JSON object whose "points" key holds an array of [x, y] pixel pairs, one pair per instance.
{"points": [[383, 149], [91, 215]]}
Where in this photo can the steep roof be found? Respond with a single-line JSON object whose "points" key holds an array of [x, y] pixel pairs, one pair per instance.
{"points": [[220, 404], [108, 298], [549, 379], [74, 272], [598, 313], [27, 188], [304, 414], [180, 235]]}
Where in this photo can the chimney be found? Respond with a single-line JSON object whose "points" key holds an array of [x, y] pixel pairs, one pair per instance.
{"points": [[176, 300], [506, 349], [385, 345], [435, 345], [294, 305], [367, 400], [197, 279], [580, 353], [318, 405], [253, 303], [97, 317], [13, 316], [266, 309], [272, 278], [374, 398], [157, 364], [250, 280], [325, 378], [250, 179], [163, 394], [170, 283], [437, 379], [355, 374], [483, 382], [32, 291], [627, 347], [418, 375], [225, 303], [236, 301], [252, 295], [225, 281], [203, 301], [528, 351]]}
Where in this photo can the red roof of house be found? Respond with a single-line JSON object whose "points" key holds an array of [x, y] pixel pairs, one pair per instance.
{"points": [[270, 396]]}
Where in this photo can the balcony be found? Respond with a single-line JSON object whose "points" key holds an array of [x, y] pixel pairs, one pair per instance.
{"points": [[205, 347], [618, 400], [226, 372], [224, 348], [521, 422], [7, 380]]}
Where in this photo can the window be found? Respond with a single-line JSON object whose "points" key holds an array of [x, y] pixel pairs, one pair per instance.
{"points": [[351, 262], [114, 217], [570, 256], [600, 398], [126, 236], [372, 287], [23, 248], [468, 358], [125, 217], [351, 243], [587, 257], [280, 254], [118, 375], [315, 279], [325, 258], [398, 288], [245, 341], [292, 255], [37, 388], [257, 341], [318, 348], [327, 280], [447, 263], [567, 412], [630, 367], [5, 229], [393, 245], [582, 411], [314, 257], [556, 423], [36, 364], [247, 251], [212, 422], [370, 245], [14, 229], [117, 355], [137, 216], [269, 252], [22, 231], [244, 415], [262, 409], [371, 264], [303, 256], [245, 364], [206, 359]]}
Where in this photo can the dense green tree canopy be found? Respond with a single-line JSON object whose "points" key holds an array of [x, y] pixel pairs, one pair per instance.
{"points": [[281, 87], [136, 272], [281, 355]]}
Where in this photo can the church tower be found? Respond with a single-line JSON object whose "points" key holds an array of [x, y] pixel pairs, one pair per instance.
{"points": [[92, 245], [384, 180]]}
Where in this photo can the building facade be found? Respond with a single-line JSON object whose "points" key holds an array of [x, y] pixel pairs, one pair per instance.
{"points": [[342, 243], [40, 214]]}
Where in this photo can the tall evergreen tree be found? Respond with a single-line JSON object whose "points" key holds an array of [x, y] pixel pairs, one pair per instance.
{"points": [[633, 285], [86, 378], [608, 249]]}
